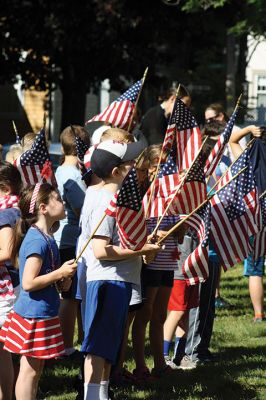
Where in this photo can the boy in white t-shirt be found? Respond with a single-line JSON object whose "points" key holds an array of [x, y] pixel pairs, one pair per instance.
{"points": [[111, 270]]}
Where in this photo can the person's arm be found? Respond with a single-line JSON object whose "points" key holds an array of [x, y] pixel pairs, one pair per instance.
{"points": [[31, 279], [6, 237], [74, 195], [238, 135], [103, 250]]}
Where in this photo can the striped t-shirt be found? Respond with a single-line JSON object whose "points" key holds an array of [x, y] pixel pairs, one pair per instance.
{"points": [[166, 259]]}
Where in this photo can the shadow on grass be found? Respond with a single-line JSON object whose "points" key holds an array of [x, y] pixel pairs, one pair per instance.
{"points": [[227, 379]]}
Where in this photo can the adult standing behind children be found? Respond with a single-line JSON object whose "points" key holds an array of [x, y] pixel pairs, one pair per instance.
{"points": [[111, 270], [253, 269], [72, 190], [155, 121]]}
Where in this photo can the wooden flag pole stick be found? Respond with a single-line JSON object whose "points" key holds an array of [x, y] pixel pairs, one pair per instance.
{"points": [[14, 127], [90, 238], [137, 100], [178, 188], [158, 166], [262, 194], [250, 143], [139, 157], [238, 102], [196, 209]]}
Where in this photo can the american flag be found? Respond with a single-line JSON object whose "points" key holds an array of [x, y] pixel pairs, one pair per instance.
{"points": [[126, 207], [217, 152], [31, 163], [195, 268], [18, 141], [82, 148], [235, 214], [120, 111], [87, 156], [166, 183], [193, 190], [184, 133]]}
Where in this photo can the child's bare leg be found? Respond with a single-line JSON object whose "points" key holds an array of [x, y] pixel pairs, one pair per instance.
{"points": [[143, 316], [93, 368], [156, 325], [28, 378], [171, 324], [6, 375], [68, 314], [122, 353]]}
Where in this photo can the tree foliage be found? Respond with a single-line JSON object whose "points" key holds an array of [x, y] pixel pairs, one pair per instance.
{"points": [[76, 45]]}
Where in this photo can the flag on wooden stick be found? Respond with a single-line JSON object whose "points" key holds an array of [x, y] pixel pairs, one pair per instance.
{"points": [[32, 162], [126, 207], [235, 213], [119, 112]]}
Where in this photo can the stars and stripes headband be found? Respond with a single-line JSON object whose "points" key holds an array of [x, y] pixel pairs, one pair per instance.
{"points": [[45, 174]]}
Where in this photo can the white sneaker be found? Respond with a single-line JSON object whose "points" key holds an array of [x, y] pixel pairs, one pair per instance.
{"points": [[187, 363], [169, 361]]}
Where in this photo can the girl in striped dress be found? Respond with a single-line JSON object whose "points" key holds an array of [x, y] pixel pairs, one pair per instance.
{"points": [[32, 329]]}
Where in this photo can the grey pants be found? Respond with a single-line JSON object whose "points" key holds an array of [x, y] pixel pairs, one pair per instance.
{"points": [[201, 319]]}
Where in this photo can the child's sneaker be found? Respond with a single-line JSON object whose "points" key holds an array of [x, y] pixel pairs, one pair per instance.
{"points": [[259, 320], [187, 363], [221, 303], [142, 376], [165, 371], [170, 362]]}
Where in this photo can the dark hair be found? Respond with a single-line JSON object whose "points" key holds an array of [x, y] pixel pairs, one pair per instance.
{"points": [[10, 177], [213, 128], [27, 219], [263, 134], [182, 92], [218, 108], [67, 138]]}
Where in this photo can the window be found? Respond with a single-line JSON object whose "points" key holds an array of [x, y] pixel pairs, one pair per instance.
{"points": [[261, 91]]}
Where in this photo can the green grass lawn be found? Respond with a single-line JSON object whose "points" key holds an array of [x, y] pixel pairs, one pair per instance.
{"points": [[239, 373]]}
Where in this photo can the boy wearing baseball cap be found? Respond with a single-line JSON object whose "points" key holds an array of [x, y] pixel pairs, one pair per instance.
{"points": [[110, 269]]}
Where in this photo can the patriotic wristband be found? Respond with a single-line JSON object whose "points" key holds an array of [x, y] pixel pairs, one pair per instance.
{"points": [[34, 197]]}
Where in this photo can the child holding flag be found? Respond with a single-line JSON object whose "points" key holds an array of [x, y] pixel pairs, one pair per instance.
{"points": [[111, 270]]}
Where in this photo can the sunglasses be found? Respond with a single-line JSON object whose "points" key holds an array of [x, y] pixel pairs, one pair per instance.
{"points": [[208, 120]]}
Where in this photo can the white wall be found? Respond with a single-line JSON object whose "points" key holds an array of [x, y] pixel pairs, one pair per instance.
{"points": [[256, 67]]}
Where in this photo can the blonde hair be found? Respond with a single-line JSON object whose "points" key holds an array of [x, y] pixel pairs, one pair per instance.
{"points": [[153, 152], [27, 141], [14, 152], [117, 134]]}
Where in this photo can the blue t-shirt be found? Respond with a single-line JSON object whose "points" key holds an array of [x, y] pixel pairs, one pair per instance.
{"points": [[43, 303], [9, 217], [72, 190]]}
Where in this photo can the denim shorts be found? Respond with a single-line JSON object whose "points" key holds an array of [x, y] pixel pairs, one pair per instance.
{"points": [[254, 267]]}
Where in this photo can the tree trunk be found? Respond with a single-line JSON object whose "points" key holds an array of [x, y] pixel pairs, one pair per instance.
{"points": [[74, 93]]}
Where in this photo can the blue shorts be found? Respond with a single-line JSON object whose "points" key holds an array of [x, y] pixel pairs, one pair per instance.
{"points": [[254, 268], [105, 318]]}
